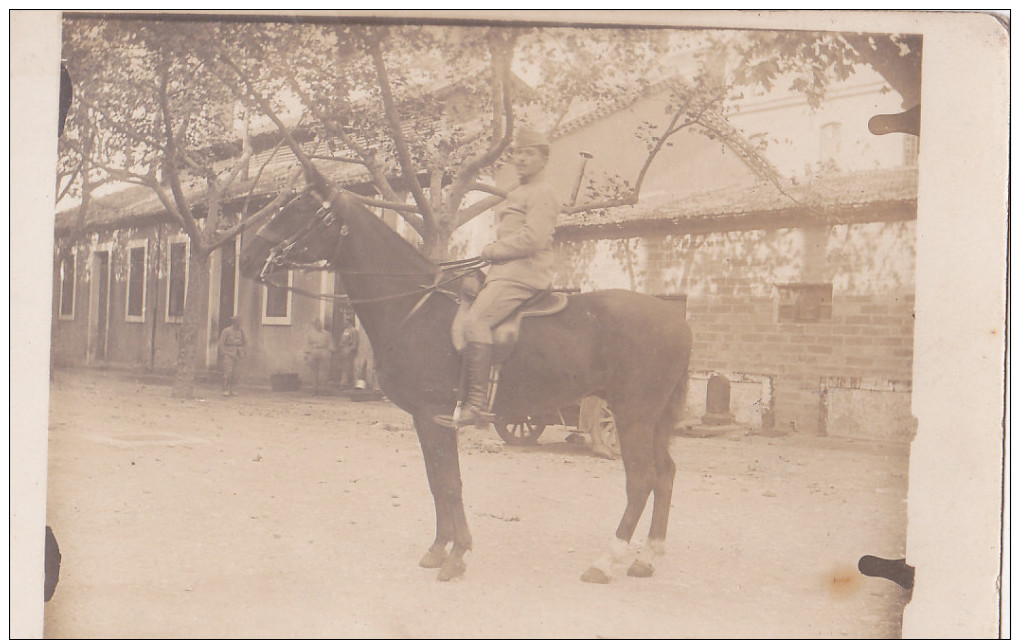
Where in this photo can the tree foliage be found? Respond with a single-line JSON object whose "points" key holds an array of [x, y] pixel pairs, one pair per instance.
{"points": [[418, 115], [148, 113], [809, 62], [422, 113]]}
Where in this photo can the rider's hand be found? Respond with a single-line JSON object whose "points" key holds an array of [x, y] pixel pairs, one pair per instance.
{"points": [[487, 253]]}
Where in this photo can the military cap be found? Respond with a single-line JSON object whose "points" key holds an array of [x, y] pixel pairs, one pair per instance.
{"points": [[531, 138]]}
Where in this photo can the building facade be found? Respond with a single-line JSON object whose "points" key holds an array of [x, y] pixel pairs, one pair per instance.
{"points": [[808, 314], [800, 296], [118, 300]]}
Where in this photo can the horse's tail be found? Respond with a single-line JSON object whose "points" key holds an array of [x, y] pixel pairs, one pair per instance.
{"points": [[674, 413]]}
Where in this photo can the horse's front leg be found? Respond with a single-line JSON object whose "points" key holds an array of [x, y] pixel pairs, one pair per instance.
{"points": [[442, 466], [436, 553]]}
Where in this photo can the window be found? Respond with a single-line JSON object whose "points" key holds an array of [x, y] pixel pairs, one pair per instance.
{"points": [[805, 302], [830, 143], [137, 252], [177, 280], [67, 277], [678, 300], [276, 298]]}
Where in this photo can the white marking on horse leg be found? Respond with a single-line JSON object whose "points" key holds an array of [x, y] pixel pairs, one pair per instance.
{"points": [[657, 545], [650, 550], [618, 553]]}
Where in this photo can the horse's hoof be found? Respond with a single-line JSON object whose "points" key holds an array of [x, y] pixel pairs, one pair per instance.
{"points": [[595, 576], [640, 570], [452, 568], [433, 558]]}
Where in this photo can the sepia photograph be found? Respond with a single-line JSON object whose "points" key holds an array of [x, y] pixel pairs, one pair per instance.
{"points": [[533, 324]]}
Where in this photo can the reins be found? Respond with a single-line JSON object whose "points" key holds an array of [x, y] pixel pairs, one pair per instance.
{"points": [[278, 254], [458, 273]]}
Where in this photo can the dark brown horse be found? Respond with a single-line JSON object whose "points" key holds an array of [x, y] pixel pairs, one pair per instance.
{"points": [[629, 348]]}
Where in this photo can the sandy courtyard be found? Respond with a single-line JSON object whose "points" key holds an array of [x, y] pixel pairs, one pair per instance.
{"points": [[285, 515]]}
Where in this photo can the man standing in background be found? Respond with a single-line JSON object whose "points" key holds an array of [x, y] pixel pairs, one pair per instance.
{"points": [[347, 349], [319, 355], [231, 350]]}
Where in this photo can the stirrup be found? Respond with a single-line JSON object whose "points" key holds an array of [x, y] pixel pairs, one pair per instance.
{"points": [[481, 419]]}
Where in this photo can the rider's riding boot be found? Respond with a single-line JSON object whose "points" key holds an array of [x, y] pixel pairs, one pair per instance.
{"points": [[479, 369], [474, 409]]}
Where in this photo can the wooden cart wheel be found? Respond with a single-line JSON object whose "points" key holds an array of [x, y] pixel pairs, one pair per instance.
{"points": [[602, 430], [519, 432]]}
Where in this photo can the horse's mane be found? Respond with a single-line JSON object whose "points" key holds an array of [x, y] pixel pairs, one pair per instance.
{"points": [[394, 243]]}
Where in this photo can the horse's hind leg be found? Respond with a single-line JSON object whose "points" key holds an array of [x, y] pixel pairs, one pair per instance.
{"points": [[639, 466], [665, 472]]}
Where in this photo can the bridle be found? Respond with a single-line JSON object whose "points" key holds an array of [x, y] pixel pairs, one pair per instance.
{"points": [[278, 257], [278, 254]]}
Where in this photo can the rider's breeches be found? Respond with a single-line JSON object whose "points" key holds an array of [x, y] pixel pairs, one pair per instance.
{"points": [[495, 302]]}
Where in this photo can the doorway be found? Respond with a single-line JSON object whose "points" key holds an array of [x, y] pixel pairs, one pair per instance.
{"points": [[99, 306], [228, 286]]}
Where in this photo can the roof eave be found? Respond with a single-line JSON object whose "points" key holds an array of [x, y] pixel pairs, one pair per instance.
{"points": [[892, 210]]}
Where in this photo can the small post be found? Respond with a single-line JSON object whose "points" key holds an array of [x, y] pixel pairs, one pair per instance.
{"points": [[585, 157], [717, 401]]}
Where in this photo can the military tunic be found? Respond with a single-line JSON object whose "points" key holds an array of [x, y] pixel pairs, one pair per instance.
{"points": [[522, 256]]}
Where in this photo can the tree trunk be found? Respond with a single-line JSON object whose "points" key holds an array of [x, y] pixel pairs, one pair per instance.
{"points": [[191, 327], [436, 246]]}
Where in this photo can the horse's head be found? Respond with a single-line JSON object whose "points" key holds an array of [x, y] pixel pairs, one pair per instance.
{"points": [[302, 233], [344, 234]]}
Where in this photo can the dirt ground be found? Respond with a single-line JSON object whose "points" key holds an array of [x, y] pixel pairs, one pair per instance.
{"points": [[285, 515]]}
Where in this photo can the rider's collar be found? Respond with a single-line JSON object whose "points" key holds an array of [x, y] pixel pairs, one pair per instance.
{"points": [[539, 176]]}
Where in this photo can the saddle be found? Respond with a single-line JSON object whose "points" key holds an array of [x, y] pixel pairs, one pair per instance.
{"points": [[506, 333]]}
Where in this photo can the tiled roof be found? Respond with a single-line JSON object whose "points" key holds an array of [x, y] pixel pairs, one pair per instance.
{"points": [[136, 205], [712, 119], [828, 194]]}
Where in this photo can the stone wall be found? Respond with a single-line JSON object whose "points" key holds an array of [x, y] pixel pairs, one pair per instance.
{"points": [[730, 279]]}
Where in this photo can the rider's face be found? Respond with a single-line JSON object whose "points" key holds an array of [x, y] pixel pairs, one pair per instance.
{"points": [[528, 161]]}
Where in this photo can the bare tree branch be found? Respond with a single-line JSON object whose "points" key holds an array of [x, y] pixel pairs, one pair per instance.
{"points": [[121, 174], [71, 176], [670, 130], [488, 188], [500, 59], [120, 127], [775, 182], [274, 206], [436, 187], [393, 120], [242, 162], [144, 180], [262, 169], [169, 166], [339, 159], [367, 155], [399, 207], [471, 212], [326, 188], [628, 199], [170, 206], [390, 200], [191, 162]]}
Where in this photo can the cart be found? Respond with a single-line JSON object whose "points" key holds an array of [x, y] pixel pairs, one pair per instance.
{"points": [[592, 417]]}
